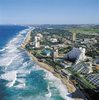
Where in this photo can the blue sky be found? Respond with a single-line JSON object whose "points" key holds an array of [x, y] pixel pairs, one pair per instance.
{"points": [[49, 11]]}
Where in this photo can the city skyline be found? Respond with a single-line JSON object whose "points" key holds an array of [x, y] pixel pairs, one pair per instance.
{"points": [[49, 12]]}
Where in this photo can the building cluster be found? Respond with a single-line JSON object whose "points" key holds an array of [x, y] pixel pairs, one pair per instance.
{"points": [[83, 67], [76, 58], [53, 40], [88, 43], [93, 78], [36, 41], [89, 40], [48, 51]]}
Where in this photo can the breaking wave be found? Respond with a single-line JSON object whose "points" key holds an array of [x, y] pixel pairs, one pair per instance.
{"points": [[24, 78]]}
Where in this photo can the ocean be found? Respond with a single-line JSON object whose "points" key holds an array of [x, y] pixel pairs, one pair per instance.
{"points": [[20, 77]]}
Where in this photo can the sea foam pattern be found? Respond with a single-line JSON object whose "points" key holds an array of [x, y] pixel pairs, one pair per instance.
{"points": [[23, 79]]}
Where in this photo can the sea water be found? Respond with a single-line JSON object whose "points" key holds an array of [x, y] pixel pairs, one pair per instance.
{"points": [[20, 77]]}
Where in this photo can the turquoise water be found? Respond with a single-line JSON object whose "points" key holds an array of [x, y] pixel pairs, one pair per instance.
{"points": [[23, 79]]}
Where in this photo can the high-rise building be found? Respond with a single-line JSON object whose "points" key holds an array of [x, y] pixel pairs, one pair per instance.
{"points": [[40, 36], [73, 36], [37, 42], [55, 53], [76, 55]]}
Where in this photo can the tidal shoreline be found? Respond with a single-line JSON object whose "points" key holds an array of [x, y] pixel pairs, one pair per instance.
{"points": [[70, 87]]}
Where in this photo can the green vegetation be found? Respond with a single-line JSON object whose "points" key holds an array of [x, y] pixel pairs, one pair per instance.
{"points": [[64, 50], [85, 30], [81, 79]]}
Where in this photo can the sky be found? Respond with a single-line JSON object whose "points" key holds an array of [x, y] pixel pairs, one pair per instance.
{"points": [[49, 11]]}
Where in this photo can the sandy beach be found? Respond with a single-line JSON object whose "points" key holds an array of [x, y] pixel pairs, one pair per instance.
{"points": [[26, 39], [70, 87]]}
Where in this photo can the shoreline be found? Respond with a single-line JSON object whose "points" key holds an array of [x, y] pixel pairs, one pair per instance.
{"points": [[70, 87], [49, 68]]}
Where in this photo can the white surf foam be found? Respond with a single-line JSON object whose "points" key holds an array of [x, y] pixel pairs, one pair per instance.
{"points": [[23, 72], [56, 82], [7, 59], [49, 94], [2, 49], [10, 54], [10, 76], [21, 80], [11, 50], [20, 85]]}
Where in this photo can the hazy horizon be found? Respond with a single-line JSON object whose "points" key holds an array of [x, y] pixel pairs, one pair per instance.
{"points": [[49, 12]]}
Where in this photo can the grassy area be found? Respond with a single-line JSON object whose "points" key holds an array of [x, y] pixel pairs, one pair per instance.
{"points": [[84, 30], [64, 50]]}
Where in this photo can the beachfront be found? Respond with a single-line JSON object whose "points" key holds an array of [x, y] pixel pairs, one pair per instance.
{"points": [[69, 85]]}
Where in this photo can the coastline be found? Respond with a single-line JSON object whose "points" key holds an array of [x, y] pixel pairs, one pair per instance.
{"points": [[26, 39], [70, 87], [49, 68]]}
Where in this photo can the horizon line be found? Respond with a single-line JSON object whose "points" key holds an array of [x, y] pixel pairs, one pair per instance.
{"points": [[51, 24]]}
